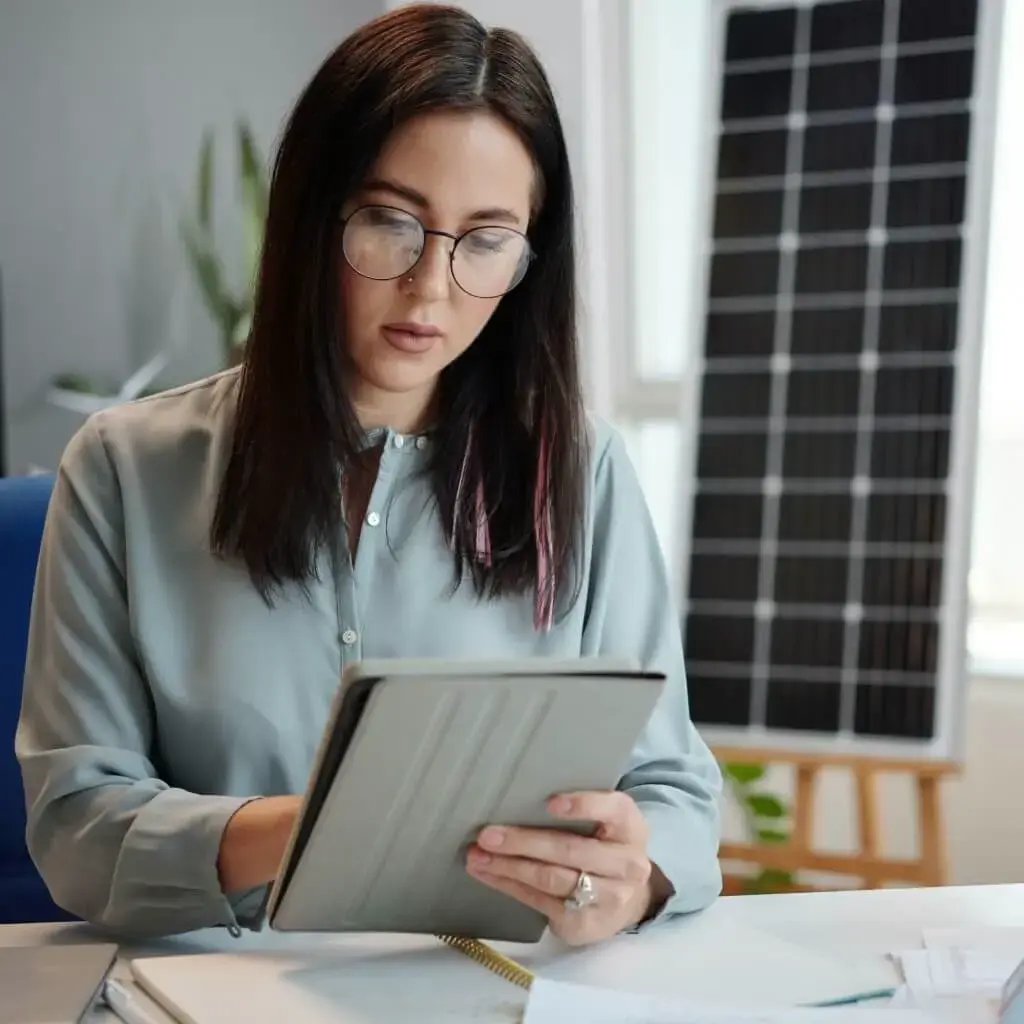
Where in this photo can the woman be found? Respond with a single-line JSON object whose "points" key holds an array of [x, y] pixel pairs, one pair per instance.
{"points": [[401, 467]]}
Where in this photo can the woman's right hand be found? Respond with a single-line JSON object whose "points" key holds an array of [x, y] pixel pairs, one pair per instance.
{"points": [[254, 842]]}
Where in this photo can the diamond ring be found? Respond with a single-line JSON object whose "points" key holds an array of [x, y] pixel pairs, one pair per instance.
{"points": [[583, 895]]}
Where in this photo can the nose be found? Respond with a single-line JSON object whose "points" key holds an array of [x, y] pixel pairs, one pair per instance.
{"points": [[431, 279]]}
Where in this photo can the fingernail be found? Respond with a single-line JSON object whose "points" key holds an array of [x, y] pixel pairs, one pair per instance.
{"points": [[560, 805], [492, 836], [479, 859]]}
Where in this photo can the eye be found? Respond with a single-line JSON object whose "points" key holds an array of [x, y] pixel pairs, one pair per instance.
{"points": [[481, 242], [389, 220]]}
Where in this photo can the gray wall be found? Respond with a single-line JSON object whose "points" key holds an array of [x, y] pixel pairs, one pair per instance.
{"points": [[102, 107]]}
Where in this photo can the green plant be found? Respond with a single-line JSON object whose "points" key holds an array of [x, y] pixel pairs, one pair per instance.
{"points": [[767, 820], [230, 307]]}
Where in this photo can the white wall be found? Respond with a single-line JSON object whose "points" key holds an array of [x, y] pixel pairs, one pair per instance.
{"points": [[102, 106]]}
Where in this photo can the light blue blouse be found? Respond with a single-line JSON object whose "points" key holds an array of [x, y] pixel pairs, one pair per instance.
{"points": [[161, 693]]}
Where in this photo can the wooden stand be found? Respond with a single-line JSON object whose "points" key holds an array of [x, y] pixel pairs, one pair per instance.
{"points": [[866, 864]]}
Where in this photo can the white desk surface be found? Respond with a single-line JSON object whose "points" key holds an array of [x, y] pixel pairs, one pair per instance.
{"points": [[852, 923]]}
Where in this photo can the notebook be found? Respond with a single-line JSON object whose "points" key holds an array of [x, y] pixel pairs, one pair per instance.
{"points": [[379, 978], [51, 984], [418, 979]]}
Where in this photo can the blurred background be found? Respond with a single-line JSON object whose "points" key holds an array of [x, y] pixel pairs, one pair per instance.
{"points": [[798, 229]]}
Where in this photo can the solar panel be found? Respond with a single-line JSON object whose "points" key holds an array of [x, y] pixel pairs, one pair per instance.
{"points": [[833, 465]]}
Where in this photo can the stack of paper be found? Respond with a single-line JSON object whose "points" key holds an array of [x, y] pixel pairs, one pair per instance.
{"points": [[955, 972], [962, 962], [961, 973]]}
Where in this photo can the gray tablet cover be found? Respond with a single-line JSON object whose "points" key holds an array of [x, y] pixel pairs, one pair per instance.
{"points": [[418, 757]]}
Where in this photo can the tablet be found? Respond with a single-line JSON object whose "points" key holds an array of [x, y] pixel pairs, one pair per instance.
{"points": [[417, 757]]}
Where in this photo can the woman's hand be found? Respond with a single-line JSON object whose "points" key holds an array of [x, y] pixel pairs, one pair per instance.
{"points": [[541, 867], [254, 842]]}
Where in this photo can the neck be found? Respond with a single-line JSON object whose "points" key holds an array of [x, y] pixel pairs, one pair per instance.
{"points": [[409, 412]]}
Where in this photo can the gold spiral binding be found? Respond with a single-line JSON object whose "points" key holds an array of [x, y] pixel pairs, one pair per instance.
{"points": [[505, 967]]}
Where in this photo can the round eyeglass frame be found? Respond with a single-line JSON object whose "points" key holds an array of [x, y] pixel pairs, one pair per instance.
{"points": [[531, 255]]}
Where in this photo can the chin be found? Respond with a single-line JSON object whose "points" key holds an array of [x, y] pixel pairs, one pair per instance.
{"points": [[400, 376]]}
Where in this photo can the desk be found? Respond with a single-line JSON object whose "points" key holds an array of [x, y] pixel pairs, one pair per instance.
{"points": [[861, 923]]}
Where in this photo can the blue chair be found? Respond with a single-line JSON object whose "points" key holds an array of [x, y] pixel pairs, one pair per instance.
{"points": [[23, 503]]}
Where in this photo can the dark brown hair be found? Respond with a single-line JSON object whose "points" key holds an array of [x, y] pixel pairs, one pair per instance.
{"points": [[508, 465]]}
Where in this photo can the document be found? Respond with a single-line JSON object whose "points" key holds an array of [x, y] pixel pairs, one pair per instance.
{"points": [[553, 1002], [962, 962]]}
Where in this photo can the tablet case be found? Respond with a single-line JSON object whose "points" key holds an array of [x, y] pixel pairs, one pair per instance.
{"points": [[418, 757]]}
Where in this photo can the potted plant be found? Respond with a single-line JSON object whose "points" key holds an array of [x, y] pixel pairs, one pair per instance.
{"points": [[229, 306]]}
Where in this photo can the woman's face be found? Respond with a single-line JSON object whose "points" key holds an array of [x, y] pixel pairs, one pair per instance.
{"points": [[453, 171]]}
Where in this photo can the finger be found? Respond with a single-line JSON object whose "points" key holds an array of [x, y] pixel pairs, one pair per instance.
{"points": [[600, 920], [547, 905], [617, 812], [566, 849], [552, 879]]}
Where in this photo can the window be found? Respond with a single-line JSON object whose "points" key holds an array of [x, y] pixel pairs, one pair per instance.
{"points": [[996, 583], [665, 208]]}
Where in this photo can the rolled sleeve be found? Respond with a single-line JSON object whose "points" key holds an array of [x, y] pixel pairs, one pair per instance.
{"points": [[115, 844], [672, 774]]}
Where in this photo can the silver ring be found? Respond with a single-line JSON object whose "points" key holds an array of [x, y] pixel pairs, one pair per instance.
{"points": [[583, 895]]}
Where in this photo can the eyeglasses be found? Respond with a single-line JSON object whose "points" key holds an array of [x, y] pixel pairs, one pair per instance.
{"points": [[382, 243]]}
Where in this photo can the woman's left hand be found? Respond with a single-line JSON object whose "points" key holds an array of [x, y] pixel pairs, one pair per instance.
{"points": [[541, 867]]}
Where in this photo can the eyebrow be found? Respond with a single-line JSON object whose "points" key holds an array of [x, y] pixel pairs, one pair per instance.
{"points": [[489, 214]]}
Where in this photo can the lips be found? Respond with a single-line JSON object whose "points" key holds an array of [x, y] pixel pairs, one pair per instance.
{"points": [[411, 337]]}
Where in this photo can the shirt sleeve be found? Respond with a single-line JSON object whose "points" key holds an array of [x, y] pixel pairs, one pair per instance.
{"points": [[671, 774], [114, 843]]}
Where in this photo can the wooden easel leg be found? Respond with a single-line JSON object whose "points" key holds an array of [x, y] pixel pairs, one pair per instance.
{"points": [[867, 812], [933, 840], [803, 810]]}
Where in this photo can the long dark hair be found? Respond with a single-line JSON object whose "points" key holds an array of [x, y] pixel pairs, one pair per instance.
{"points": [[508, 465]]}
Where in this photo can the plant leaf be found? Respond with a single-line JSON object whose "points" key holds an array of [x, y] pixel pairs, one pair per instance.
{"points": [[771, 835], [254, 200], [204, 183], [206, 268], [744, 774], [770, 880], [766, 806], [240, 333], [79, 382], [254, 178]]}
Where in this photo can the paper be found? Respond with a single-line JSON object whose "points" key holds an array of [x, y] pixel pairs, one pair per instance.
{"points": [[952, 972], [991, 939], [554, 1002], [962, 962], [698, 959]]}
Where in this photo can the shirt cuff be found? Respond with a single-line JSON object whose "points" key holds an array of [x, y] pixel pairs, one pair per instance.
{"points": [[166, 880], [685, 856]]}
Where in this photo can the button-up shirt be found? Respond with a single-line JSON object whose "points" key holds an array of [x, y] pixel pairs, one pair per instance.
{"points": [[162, 693]]}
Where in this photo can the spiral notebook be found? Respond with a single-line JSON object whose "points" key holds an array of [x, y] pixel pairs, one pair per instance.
{"points": [[380, 978]]}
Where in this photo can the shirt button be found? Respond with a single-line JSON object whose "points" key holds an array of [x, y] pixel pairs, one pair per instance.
{"points": [[399, 441], [373, 519], [421, 443], [349, 637]]}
